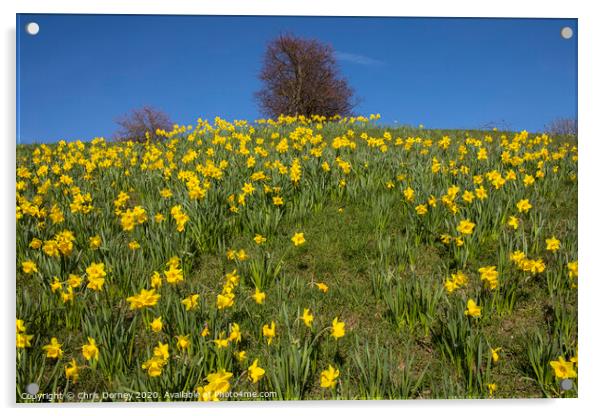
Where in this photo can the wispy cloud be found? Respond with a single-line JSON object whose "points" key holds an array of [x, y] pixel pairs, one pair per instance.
{"points": [[357, 59]]}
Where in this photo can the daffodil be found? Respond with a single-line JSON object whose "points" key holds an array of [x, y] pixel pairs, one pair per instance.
{"points": [[24, 340], [472, 309], [552, 244], [259, 296], [255, 372], [157, 324], [144, 299], [322, 286], [269, 332], [523, 205], [307, 318], [174, 275], [241, 356], [563, 369], [72, 371], [337, 330], [183, 341], [191, 302], [90, 350], [328, 378], [489, 274], [495, 355], [465, 227], [513, 222], [53, 350], [95, 242], [29, 267], [235, 335], [298, 239]]}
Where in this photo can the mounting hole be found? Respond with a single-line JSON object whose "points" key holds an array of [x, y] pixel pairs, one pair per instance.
{"points": [[32, 28], [566, 32]]}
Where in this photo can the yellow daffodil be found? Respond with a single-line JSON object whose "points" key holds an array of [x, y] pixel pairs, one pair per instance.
{"points": [[29, 267], [53, 350], [472, 309], [322, 286], [90, 350], [465, 227], [337, 330], [255, 372], [259, 296], [328, 378], [552, 244], [269, 332], [298, 239], [563, 369], [307, 318], [157, 324]]}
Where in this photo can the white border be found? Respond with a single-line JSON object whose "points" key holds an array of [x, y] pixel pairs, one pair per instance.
{"points": [[590, 150]]}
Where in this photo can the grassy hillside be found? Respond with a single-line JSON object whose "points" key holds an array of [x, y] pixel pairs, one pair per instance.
{"points": [[449, 256]]}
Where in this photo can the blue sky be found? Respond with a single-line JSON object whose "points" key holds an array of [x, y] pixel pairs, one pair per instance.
{"points": [[80, 72]]}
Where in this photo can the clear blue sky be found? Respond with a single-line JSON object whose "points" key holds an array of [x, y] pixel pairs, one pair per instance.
{"points": [[82, 71]]}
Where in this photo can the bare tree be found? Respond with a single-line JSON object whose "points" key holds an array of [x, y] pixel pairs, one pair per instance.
{"points": [[562, 127], [137, 123], [301, 77]]}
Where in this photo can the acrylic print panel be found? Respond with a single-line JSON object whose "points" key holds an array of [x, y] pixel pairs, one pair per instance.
{"points": [[295, 208]]}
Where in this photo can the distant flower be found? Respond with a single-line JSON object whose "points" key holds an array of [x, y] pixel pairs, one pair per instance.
{"points": [[35, 243], [298, 239], [494, 354], [95, 242], [53, 350], [29, 267], [322, 286], [259, 296], [255, 372], [513, 222], [552, 244], [269, 332], [241, 356], [134, 245], [90, 350], [563, 369], [573, 267], [72, 371], [235, 334], [307, 318], [328, 378], [489, 274], [191, 302], [472, 309], [421, 209], [222, 341], [174, 275], [523, 205], [96, 274], [74, 281], [337, 330], [465, 227], [144, 299], [157, 324], [225, 300], [183, 341], [205, 331]]}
